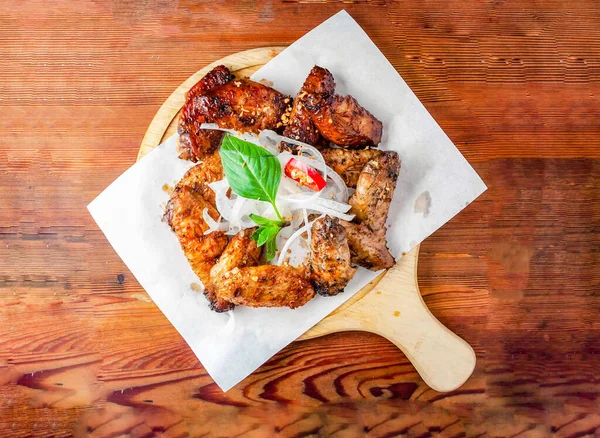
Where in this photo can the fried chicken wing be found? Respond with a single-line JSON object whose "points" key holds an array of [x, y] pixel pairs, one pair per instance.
{"points": [[349, 163], [239, 104], [194, 142], [239, 253], [374, 190], [266, 286], [371, 203], [338, 119], [300, 126], [329, 257], [184, 216], [202, 174]]}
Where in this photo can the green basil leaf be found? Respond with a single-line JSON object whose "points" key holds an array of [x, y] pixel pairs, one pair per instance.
{"points": [[256, 234], [265, 222], [265, 234], [252, 171], [271, 248]]}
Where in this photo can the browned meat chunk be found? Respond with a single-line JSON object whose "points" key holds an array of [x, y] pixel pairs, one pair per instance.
{"points": [[184, 216], [329, 257], [341, 120], [266, 286], [194, 142], [300, 126], [239, 104], [349, 163], [199, 176], [239, 253], [374, 190], [368, 248], [371, 203]]}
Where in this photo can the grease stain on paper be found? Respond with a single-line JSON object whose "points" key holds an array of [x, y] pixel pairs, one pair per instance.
{"points": [[423, 203], [167, 189]]}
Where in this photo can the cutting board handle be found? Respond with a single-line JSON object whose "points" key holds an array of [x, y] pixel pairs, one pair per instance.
{"points": [[395, 310]]}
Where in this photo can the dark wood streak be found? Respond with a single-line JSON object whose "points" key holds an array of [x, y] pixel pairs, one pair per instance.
{"points": [[515, 85]]}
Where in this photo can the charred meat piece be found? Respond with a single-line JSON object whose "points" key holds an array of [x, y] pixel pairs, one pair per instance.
{"points": [[374, 190], [329, 257], [367, 247], [239, 253], [349, 163], [184, 216], [194, 142], [371, 203], [300, 126], [239, 104], [341, 120], [266, 286], [199, 176]]}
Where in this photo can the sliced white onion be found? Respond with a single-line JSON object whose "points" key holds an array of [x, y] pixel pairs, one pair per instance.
{"points": [[319, 207], [292, 238], [248, 136], [339, 184], [297, 219], [213, 225], [223, 202], [289, 242], [273, 138], [311, 204], [305, 217]]}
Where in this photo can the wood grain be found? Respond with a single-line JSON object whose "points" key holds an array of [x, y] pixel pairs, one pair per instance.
{"points": [[514, 84]]}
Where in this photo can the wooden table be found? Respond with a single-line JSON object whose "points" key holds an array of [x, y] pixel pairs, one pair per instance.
{"points": [[83, 349]]}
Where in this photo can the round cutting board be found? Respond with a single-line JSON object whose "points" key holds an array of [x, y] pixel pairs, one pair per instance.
{"points": [[391, 305]]}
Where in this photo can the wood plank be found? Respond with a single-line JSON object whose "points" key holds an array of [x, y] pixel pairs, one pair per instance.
{"points": [[514, 84]]}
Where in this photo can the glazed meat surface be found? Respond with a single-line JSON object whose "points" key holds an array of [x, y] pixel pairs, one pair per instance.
{"points": [[374, 190], [329, 257], [266, 286], [239, 253], [349, 163], [184, 216], [239, 104], [368, 248], [341, 120], [199, 176], [194, 142]]}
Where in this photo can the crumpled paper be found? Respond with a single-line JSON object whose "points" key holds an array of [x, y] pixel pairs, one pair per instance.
{"points": [[435, 183]]}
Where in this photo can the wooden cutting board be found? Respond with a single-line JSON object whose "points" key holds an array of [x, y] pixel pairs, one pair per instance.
{"points": [[391, 305]]}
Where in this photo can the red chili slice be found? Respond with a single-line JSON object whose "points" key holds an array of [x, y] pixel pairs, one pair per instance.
{"points": [[304, 174]]}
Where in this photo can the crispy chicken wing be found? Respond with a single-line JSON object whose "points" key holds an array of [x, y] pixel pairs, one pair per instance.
{"points": [[338, 119], [239, 253], [349, 163], [239, 104], [329, 257], [184, 216], [371, 203], [266, 286], [202, 174]]}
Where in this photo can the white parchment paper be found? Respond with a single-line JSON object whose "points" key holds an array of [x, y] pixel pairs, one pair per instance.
{"points": [[435, 183]]}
